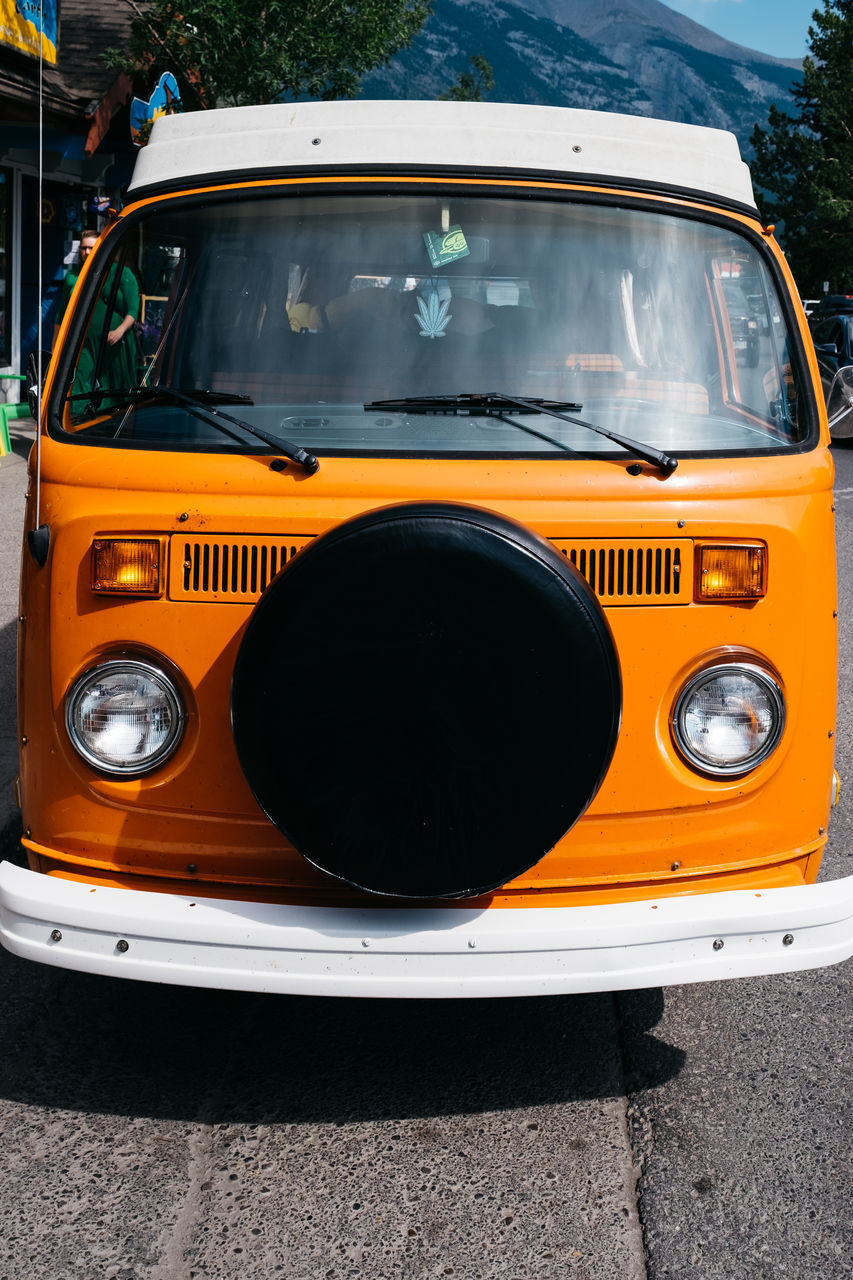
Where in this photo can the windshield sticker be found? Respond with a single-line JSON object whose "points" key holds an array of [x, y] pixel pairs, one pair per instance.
{"points": [[432, 315], [446, 246]]}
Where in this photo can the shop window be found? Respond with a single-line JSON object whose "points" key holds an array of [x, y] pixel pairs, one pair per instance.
{"points": [[5, 267]]}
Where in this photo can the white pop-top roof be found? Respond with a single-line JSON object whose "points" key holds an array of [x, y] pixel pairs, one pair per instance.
{"points": [[242, 141]]}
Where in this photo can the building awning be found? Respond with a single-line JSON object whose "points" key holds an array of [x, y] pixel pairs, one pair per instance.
{"points": [[118, 94]]}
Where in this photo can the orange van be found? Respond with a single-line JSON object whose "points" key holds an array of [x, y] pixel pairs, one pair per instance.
{"points": [[429, 578]]}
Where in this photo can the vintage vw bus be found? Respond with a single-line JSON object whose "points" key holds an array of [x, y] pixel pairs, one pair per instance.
{"points": [[427, 591]]}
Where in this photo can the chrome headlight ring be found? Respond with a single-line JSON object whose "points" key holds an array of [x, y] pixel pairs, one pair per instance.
{"points": [[728, 718], [124, 717]]}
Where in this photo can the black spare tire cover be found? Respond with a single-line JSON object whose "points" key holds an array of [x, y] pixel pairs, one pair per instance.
{"points": [[426, 699]]}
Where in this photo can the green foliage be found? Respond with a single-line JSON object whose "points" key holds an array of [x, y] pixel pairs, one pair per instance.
{"points": [[473, 85], [239, 52], [805, 163]]}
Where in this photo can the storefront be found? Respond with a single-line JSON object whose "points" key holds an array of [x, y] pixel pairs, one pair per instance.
{"points": [[86, 159]]}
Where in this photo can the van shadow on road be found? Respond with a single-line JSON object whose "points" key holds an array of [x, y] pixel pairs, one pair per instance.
{"points": [[8, 732], [8, 659], [99, 1045]]}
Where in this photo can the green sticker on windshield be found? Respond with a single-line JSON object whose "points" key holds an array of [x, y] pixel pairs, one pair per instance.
{"points": [[446, 246]]}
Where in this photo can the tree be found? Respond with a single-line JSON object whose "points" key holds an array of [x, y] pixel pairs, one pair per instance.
{"points": [[473, 85], [240, 52], [805, 163]]}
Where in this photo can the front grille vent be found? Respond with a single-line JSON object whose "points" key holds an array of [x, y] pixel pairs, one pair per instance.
{"points": [[622, 572], [236, 569], [218, 568]]}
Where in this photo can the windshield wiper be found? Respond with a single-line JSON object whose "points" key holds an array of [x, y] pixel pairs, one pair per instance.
{"points": [[205, 411], [487, 403], [496, 403], [204, 395]]}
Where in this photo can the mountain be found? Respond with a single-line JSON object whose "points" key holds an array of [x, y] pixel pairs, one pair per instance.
{"points": [[634, 56]]}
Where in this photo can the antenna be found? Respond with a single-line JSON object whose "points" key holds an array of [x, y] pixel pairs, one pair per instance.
{"points": [[38, 538]]}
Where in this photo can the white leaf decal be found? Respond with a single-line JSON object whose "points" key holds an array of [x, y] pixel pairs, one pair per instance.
{"points": [[432, 316]]}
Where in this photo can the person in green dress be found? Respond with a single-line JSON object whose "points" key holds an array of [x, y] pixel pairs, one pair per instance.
{"points": [[88, 240], [113, 360]]}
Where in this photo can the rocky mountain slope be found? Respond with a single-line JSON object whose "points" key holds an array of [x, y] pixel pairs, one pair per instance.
{"points": [[636, 56]]}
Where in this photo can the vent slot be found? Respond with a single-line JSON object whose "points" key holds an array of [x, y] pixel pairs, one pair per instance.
{"points": [[622, 572]]}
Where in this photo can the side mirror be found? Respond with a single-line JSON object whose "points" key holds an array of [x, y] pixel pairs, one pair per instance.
{"points": [[839, 404], [33, 387]]}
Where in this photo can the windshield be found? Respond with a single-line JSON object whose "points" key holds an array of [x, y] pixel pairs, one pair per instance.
{"points": [[301, 310]]}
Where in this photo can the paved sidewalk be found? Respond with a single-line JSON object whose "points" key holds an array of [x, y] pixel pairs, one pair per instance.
{"points": [[13, 488]]}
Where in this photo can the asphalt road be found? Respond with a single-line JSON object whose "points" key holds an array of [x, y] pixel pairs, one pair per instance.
{"points": [[156, 1133]]}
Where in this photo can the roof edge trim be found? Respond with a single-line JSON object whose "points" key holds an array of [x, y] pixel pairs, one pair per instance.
{"points": [[580, 181]]}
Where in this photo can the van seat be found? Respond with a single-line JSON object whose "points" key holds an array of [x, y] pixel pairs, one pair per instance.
{"points": [[588, 361], [773, 387]]}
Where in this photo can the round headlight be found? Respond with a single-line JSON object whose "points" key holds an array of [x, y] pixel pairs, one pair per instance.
{"points": [[728, 718], [124, 717]]}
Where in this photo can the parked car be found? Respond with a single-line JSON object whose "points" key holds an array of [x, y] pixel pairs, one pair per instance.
{"points": [[830, 304], [833, 343]]}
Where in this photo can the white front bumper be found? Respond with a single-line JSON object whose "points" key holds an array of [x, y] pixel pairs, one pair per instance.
{"points": [[422, 952]]}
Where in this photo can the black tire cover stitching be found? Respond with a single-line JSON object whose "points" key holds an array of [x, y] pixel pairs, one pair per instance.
{"points": [[426, 699]]}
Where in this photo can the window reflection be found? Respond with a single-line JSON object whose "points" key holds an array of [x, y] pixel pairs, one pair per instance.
{"points": [[666, 327]]}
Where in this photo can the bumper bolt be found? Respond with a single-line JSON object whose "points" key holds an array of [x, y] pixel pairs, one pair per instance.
{"points": [[122, 946], [787, 940], [56, 935], [718, 944]]}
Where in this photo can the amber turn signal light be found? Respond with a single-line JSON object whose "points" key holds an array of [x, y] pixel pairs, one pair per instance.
{"points": [[126, 566], [734, 571]]}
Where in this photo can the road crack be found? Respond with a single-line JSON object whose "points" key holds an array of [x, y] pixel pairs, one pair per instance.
{"points": [[626, 1120], [179, 1240]]}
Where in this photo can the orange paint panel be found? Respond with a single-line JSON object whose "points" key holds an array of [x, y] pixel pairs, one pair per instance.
{"points": [[651, 810], [780, 875]]}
